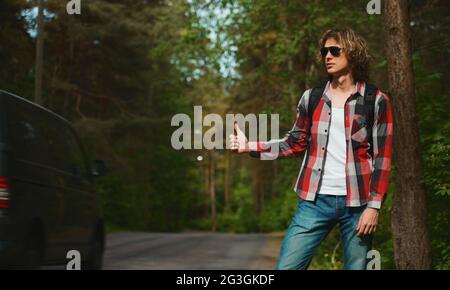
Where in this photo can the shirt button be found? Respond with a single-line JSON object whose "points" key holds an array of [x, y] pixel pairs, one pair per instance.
{"points": [[326, 130], [323, 148], [329, 113], [320, 169]]}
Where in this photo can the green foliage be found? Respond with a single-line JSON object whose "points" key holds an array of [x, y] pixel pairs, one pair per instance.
{"points": [[16, 48], [433, 100], [382, 241], [329, 254], [241, 217], [437, 182], [436, 179], [278, 211]]}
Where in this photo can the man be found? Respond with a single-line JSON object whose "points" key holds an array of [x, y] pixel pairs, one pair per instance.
{"points": [[346, 132]]}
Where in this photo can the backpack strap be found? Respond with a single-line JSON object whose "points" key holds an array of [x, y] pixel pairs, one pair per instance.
{"points": [[314, 98], [369, 105]]}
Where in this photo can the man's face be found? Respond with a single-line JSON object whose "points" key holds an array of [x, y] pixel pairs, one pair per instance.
{"points": [[335, 65]]}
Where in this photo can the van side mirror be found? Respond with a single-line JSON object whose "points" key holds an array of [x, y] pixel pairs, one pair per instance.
{"points": [[99, 168]]}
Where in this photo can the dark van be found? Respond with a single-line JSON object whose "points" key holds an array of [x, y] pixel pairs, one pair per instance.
{"points": [[48, 205]]}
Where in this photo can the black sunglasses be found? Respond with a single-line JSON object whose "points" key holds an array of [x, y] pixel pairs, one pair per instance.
{"points": [[334, 50]]}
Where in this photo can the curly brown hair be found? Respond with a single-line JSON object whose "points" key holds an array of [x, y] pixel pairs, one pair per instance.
{"points": [[354, 46]]}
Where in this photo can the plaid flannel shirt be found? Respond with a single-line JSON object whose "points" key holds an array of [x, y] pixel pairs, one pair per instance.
{"points": [[367, 177]]}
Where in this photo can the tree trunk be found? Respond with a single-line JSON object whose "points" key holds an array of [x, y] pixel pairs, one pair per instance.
{"points": [[206, 170], [39, 54], [212, 192], [226, 191], [409, 214], [259, 182]]}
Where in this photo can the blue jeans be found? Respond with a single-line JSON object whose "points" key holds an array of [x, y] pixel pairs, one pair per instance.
{"points": [[311, 224]]}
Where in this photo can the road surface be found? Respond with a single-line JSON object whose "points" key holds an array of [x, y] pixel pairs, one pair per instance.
{"points": [[191, 251]]}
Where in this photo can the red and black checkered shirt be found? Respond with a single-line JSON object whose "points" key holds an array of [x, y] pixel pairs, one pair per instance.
{"points": [[367, 176]]}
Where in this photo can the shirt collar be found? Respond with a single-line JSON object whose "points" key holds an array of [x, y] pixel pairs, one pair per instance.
{"points": [[360, 89]]}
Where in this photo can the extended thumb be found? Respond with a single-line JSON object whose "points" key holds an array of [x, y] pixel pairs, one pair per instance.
{"points": [[236, 127]]}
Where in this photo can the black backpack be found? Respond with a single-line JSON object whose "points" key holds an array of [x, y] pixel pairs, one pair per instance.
{"points": [[369, 106]]}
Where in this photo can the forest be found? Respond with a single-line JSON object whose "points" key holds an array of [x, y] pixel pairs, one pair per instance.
{"points": [[122, 69]]}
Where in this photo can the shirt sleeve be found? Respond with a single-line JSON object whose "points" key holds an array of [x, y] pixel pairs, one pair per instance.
{"points": [[293, 144], [382, 132]]}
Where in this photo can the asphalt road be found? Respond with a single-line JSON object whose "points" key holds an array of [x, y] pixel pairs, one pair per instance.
{"points": [[191, 251]]}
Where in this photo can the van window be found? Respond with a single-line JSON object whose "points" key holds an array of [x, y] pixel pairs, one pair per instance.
{"points": [[40, 137], [26, 127], [73, 159]]}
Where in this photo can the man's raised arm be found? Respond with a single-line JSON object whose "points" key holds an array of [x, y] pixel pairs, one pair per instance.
{"points": [[292, 145]]}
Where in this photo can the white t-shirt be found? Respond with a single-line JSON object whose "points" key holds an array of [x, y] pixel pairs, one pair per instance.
{"points": [[333, 180]]}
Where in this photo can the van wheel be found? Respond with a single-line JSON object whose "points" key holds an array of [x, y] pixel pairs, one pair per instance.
{"points": [[95, 261]]}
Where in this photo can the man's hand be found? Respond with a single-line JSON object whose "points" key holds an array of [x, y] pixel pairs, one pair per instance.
{"points": [[238, 142], [368, 222]]}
